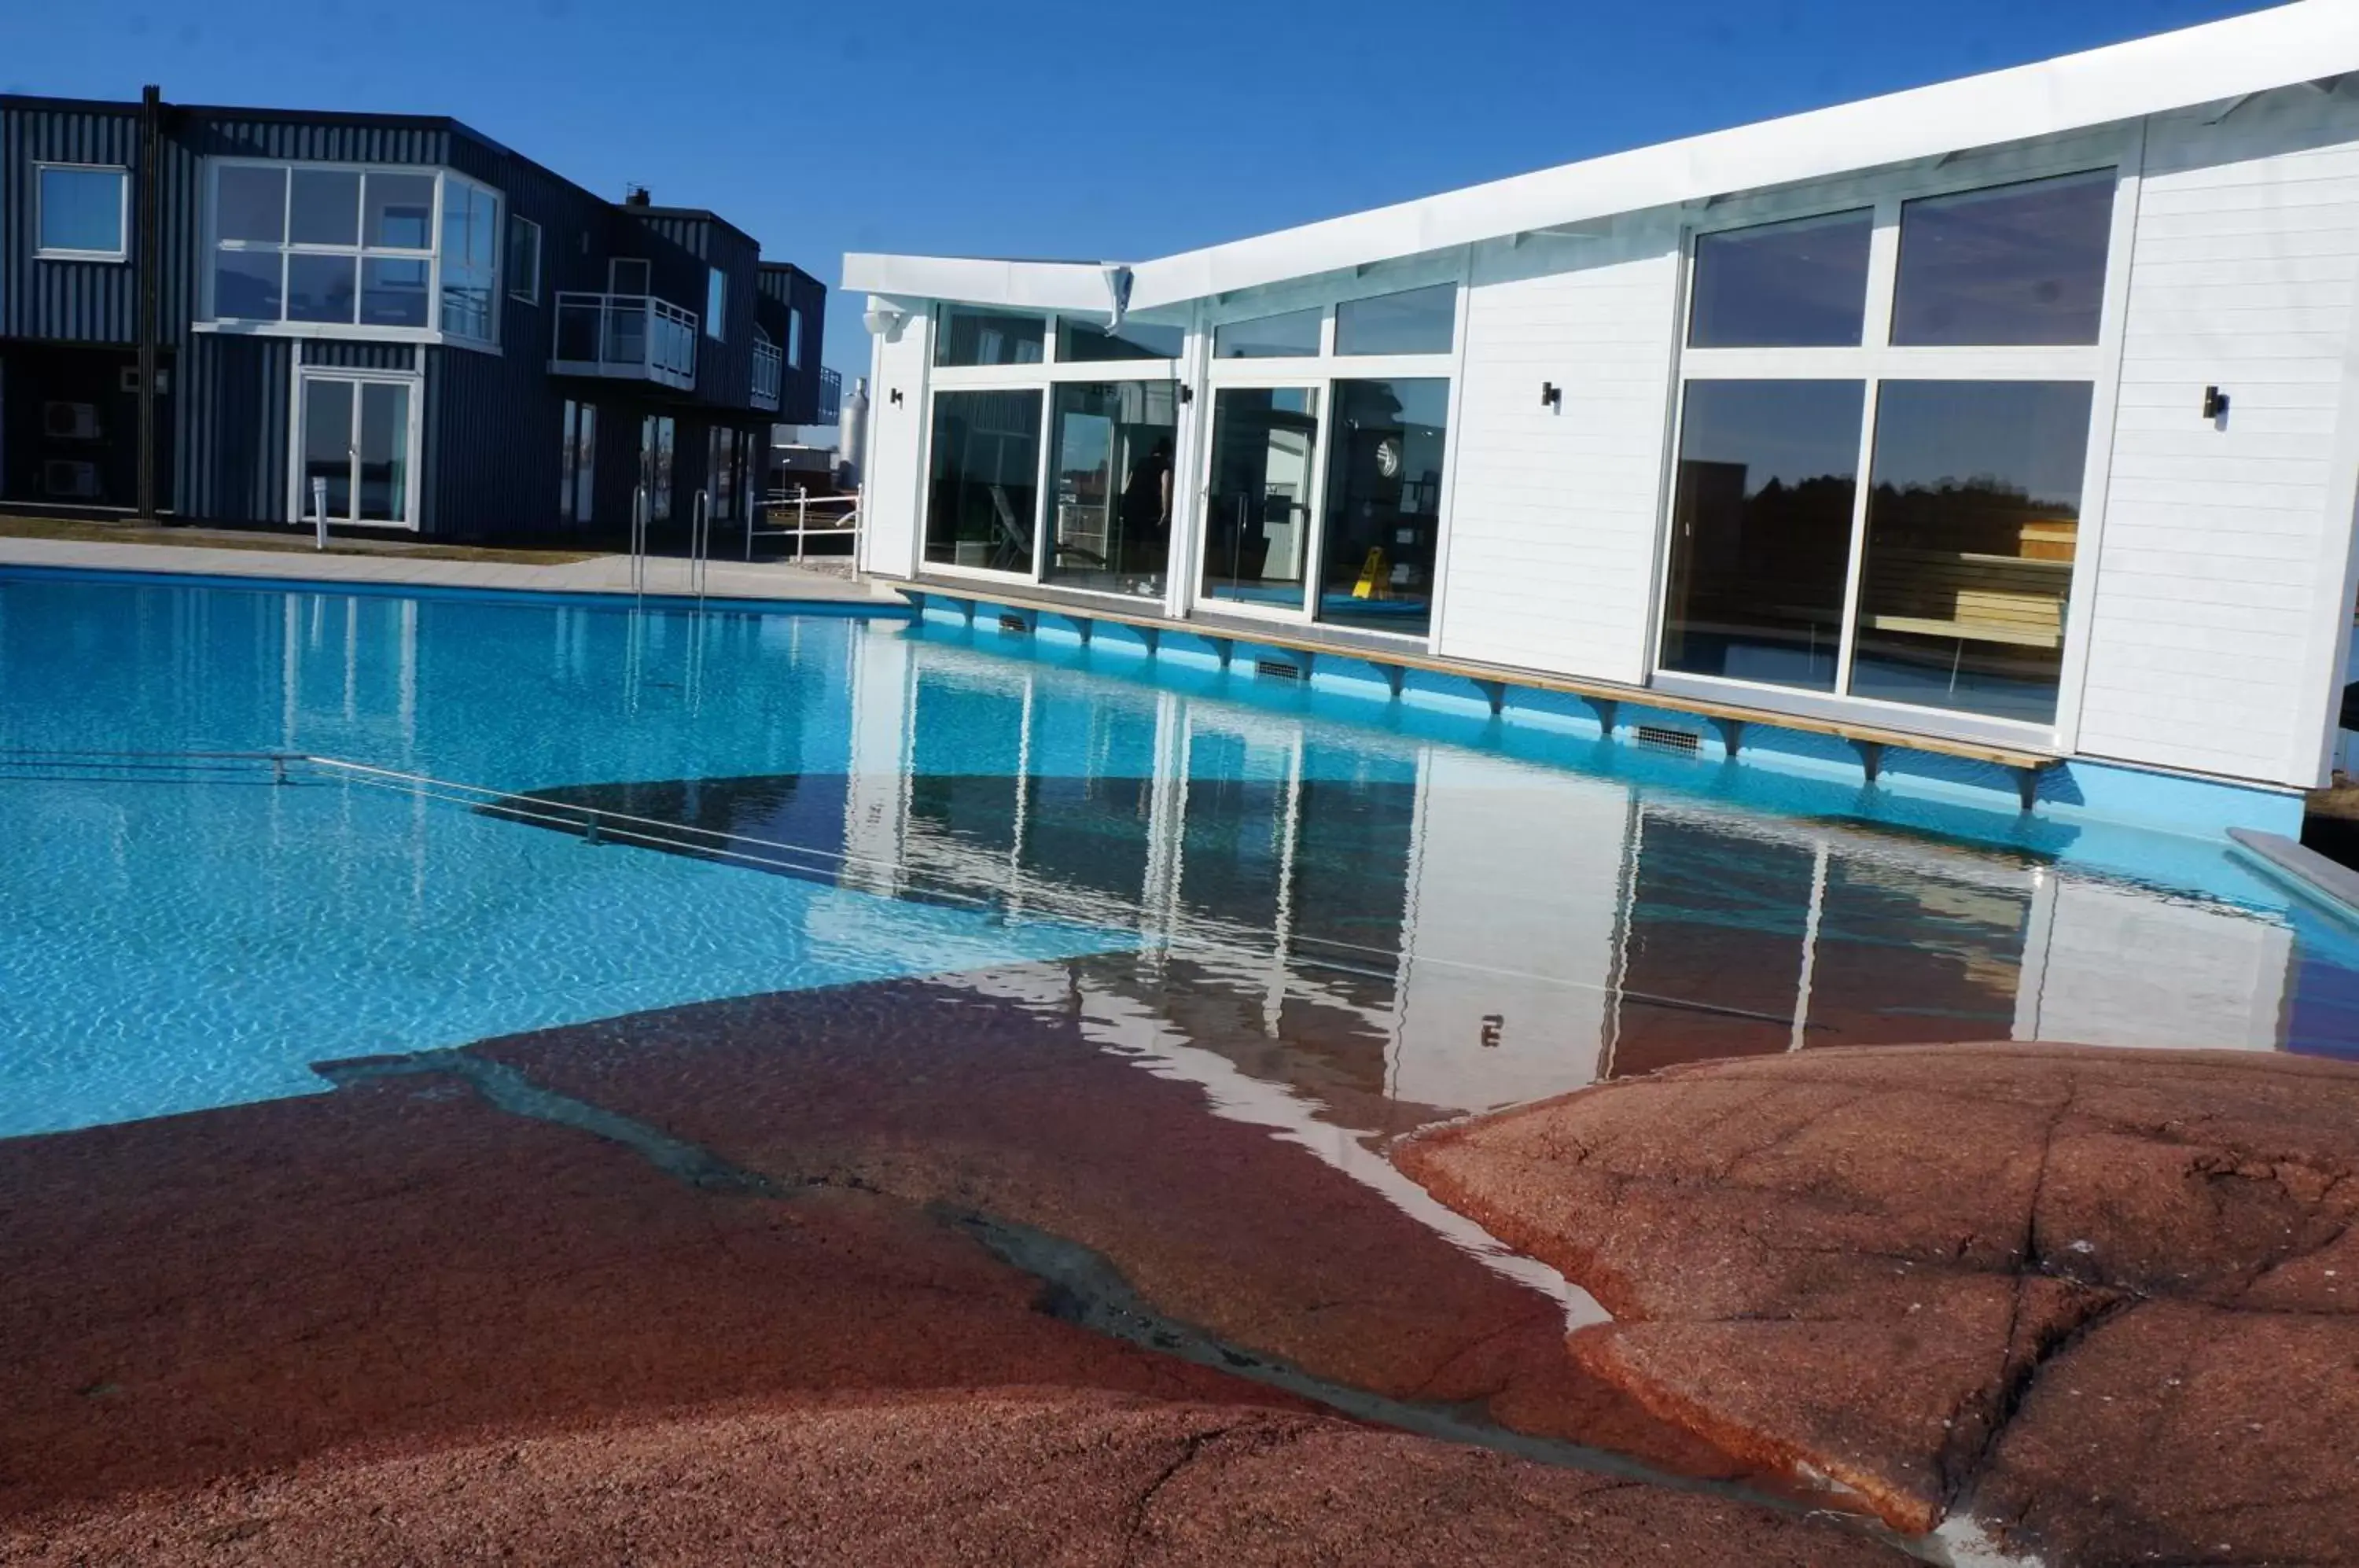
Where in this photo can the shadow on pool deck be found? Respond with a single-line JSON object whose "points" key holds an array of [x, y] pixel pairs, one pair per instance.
{"points": [[421, 1260]]}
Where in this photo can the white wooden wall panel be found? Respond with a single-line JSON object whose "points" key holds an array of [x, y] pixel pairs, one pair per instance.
{"points": [[1554, 513], [2215, 607], [894, 482]]}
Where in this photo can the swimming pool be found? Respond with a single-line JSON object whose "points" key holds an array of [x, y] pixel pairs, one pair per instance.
{"points": [[1381, 914]]}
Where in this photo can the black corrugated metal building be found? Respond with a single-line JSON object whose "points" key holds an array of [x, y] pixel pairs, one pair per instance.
{"points": [[394, 316]]}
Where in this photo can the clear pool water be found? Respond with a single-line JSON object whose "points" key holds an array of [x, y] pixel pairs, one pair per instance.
{"points": [[1376, 913]]}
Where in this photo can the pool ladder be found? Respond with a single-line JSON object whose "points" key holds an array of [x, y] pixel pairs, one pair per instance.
{"points": [[700, 543]]}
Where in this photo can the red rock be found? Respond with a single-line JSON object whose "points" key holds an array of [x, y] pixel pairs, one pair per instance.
{"points": [[1876, 1264], [1014, 1479]]}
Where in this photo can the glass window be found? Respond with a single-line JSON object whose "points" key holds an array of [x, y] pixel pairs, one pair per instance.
{"points": [[250, 204], [2015, 264], [392, 292], [524, 260], [716, 303], [794, 338], [1257, 506], [1291, 335], [328, 447], [580, 462], [82, 210], [658, 449], [1087, 341], [988, 337], [384, 454], [471, 218], [1797, 285], [1416, 321], [1384, 504], [400, 211], [321, 288], [1761, 529], [1973, 518], [983, 492], [246, 286], [1110, 484], [325, 207]]}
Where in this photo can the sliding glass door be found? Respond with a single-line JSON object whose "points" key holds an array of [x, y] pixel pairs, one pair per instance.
{"points": [[354, 450], [1258, 506]]}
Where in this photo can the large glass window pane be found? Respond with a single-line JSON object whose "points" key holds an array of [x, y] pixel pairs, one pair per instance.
{"points": [[1291, 335], [325, 208], [1111, 483], [82, 211], [385, 452], [1086, 341], [1257, 508], [1384, 504], [1797, 285], [319, 288], [524, 260], [1416, 321], [1973, 518], [988, 337], [2017, 264], [392, 292], [250, 204], [716, 303], [246, 285], [984, 497], [1761, 529], [328, 446], [399, 214]]}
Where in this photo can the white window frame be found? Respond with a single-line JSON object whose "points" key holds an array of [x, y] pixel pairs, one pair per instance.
{"points": [[1876, 360], [297, 503], [123, 218], [529, 292], [431, 255], [1320, 373], [1041, 376]]}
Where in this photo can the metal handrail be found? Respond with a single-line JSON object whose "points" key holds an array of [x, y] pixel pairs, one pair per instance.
{"points": [[699, 542], [638, 539], [770, 367], [640, 334]]}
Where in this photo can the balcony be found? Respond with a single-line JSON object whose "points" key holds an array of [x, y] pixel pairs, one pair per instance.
{"points": [[769, 366], [633, 336]]}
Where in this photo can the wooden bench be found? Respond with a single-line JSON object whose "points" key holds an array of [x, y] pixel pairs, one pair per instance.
{"points": [[1605, 697]]}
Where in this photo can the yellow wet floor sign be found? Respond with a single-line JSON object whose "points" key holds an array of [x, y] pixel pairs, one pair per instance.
{"points": [[1371, 572]]}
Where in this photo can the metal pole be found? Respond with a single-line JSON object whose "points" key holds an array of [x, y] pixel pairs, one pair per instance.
{"points": [[700, 540], [802, 519], [320, 513], [638, 539], [149, 252]]}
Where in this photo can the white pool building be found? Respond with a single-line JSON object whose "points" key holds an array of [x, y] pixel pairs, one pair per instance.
{"points": [[1996, 440]]}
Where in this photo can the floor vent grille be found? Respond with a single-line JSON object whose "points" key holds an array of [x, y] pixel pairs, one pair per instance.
{"points": [[1015, 625], [1668, 740], [1277, 670]]}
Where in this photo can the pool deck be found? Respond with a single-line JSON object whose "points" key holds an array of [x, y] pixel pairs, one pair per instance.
{"points": [[668, 577]]}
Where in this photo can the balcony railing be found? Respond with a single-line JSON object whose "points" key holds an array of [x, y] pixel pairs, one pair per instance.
{"points": [[632, 335], [769, 365]]}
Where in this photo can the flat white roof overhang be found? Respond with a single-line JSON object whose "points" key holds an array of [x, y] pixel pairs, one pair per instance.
{"points": [[2310, 41]]}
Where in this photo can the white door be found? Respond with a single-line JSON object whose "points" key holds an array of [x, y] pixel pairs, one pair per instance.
{"points": [[356, 446]]}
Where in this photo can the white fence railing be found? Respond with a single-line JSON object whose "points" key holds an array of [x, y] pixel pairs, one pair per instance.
{"points": [[632, 335], [804, 517]]}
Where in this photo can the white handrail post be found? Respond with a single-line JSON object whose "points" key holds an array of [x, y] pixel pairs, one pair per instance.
{"points": [[320, 513], [638, 539], [700, 540]]}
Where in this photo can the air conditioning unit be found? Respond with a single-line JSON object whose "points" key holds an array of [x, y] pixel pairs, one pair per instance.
{"points": [[65, 480], [70, 421]]}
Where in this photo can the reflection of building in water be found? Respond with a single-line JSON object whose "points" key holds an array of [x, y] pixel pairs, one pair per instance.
{"points": [[1451, 929]]}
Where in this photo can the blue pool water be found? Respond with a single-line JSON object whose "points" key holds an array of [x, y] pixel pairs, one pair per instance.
{"points": [[1361, 906]]}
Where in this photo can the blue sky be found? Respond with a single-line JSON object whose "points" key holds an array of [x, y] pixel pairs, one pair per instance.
{"points": [[1047, 128]]}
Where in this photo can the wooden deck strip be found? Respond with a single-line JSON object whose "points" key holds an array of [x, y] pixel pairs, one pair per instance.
{"points": [[1500, 675]]}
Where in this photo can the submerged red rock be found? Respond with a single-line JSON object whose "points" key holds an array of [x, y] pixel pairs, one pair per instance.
{"points": [[2103, 1301]]}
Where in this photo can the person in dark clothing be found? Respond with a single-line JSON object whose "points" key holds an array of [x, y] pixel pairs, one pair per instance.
{"points": [[1147, 511]]}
